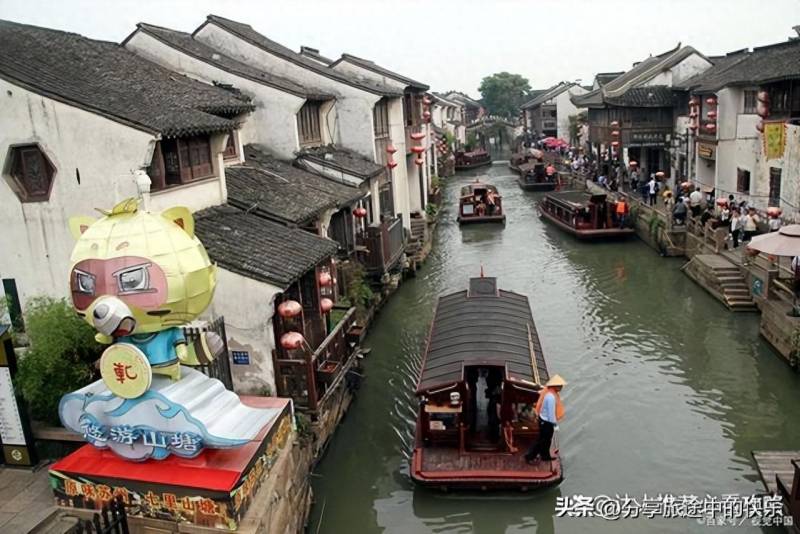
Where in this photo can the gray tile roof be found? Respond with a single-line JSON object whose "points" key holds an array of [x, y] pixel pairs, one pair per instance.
{"points": [[260, 249], [277, 190], [377, 69], [185, 43], [547, 94], [763, 65], [342, 159], [247, 33], [313, 53], [105, 79], [464, 99], [646, 96], [605, 77]]}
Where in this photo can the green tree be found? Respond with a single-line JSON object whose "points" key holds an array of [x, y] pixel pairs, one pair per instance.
{"points": [[59, 360], [503, 93]]}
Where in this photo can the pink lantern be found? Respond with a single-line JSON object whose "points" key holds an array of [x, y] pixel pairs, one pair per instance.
{"points": [[325, 278], [633, 163], [615, 133], [292, 340], [417, 149], [427, 101], [426, 115], [711, 101], [360, 212], [762, 96], [711, 127], [289, 308], [325, 305], [391, 149], [419, 161], [392, 164], [614, 124], [660, 174], [615, 144], [418, 136], [722, 201], [712, 114]]}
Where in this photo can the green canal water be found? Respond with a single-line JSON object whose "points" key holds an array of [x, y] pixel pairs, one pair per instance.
{"points": [[668, 391]]}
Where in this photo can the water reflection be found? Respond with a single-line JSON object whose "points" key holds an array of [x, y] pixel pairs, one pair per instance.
{"points": [[668, 391]]}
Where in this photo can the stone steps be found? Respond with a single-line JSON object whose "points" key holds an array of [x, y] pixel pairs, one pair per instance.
{"points": [[723, 280]]}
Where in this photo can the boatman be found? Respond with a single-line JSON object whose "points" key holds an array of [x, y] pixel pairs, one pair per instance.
{"points": [[550, 411]]}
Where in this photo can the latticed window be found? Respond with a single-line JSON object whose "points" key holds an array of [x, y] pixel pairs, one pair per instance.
{"points": [[231, 146], [308, 125], [750, 101], [775, 186], [380, 118], [180, 161], [32, 173]]}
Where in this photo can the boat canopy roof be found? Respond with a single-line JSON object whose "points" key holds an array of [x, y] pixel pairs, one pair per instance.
{"points": [[575, 199], [471, 187], [531, 165], [482, 326]]}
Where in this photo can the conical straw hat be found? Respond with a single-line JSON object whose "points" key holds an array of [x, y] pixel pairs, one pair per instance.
{"points": [[556, 380]]}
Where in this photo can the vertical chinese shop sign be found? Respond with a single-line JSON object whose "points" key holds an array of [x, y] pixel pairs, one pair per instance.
{"points": [[774, 139], [15, 434]]}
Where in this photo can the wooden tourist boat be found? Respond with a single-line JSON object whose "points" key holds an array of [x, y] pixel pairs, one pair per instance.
{"points": [[483, 357], [480, 203], [584, 215], [532, 177], [471, 160]]}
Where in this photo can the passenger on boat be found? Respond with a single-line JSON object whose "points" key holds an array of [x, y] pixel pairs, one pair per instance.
{"points": [[550, 410], [622, 212], [490, 201], [550, 171]]}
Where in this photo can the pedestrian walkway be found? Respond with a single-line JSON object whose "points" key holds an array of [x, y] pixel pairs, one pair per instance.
{"points": [[26, 499]]}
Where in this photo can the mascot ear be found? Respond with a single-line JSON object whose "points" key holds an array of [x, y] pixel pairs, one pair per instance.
{"points": [[182, 217], [79, 224]]}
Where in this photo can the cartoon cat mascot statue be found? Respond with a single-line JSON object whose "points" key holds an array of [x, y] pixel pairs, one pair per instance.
{"points": [[137, 278]]}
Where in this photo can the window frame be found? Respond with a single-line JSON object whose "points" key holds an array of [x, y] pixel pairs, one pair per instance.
{"points": [[743, 177], [750, 95], [231, 150], [188, 154], [18, 172], [775, 177], [309, 124], [380, 119]]}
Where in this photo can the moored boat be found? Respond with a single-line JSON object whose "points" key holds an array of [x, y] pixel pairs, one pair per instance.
{"points": [[479, 203], [482, 374], [473, 159], [584, 215]]}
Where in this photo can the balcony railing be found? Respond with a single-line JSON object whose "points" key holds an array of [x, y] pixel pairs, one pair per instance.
{"points": [[381, 245]]}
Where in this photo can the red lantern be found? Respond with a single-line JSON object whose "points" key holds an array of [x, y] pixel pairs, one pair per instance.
{"points": [[633, 163], [762, 96], [427, 101], [417, 149], [417, 136], [712, 115], [361, 212], [419, 161], [289, 308], [292, 340], [774, 211], [722, 202], [660, 174], [325, 305], [711, 127], [711, 101], [391, 149], [615, 144], [325, 278], [614, 124], [392, 164], [615, 133]]}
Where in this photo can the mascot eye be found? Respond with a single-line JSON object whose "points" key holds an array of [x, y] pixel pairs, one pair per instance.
{"points": [[133, 280], [84, 282]]}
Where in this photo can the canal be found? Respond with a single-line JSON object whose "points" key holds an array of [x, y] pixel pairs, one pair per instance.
{"points": [[668, 391]]}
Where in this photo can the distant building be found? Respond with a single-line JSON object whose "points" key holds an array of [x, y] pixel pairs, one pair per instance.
{"points": [[473, 110], [548, 113]]}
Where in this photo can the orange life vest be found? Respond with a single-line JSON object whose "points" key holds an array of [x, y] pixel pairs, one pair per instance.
{"points": [[559, 405], [622, 208]]}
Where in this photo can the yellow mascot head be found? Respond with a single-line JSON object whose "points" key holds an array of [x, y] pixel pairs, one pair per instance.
{"points": [[134, 272]]}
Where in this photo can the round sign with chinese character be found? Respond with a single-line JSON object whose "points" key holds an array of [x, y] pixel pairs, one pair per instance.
{"points": [[125, 370]]}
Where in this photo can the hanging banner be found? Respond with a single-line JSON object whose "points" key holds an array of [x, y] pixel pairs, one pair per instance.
{"points": [[774, 139]]}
